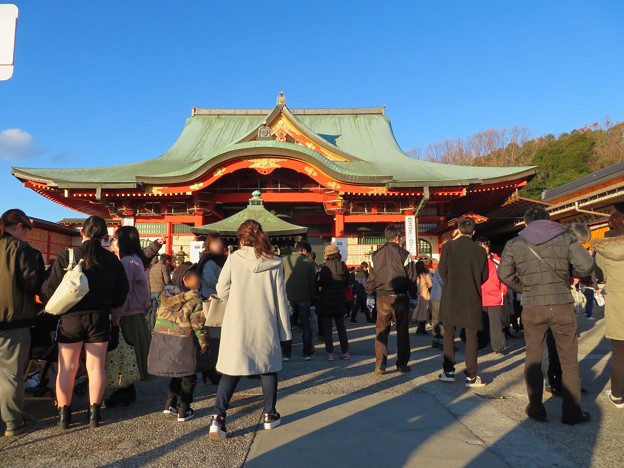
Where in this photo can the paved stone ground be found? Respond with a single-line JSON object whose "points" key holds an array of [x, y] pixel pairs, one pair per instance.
{"points": [[340, 414]]}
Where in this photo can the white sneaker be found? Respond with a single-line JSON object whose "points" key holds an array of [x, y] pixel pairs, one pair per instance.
{"points": [[474, 383], [286, 359], [217, 429], [617, 402], [590, 318], [447, 377]]}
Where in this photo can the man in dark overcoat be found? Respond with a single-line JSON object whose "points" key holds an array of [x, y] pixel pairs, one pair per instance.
{"points": [[463, 269]]}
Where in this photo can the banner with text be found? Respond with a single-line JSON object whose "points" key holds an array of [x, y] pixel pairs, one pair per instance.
{"points": [[410, 235]]}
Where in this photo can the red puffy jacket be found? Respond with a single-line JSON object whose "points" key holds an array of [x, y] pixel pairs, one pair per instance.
{"points": [[493, 292]]}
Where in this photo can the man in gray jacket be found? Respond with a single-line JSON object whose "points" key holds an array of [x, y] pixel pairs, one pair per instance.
{"points": [[538, 264]]}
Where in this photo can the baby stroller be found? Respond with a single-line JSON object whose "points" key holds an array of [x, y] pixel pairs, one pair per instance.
{"points": [[43, 355]]}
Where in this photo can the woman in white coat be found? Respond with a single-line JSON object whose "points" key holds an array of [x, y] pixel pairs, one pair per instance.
{"points": [[255, 323]]}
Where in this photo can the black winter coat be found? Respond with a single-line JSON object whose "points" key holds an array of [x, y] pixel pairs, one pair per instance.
{"points": [[21, 274], [463, 269], [333, 280]]}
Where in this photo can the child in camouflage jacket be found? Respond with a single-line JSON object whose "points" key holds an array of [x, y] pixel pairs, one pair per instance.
{"points": [[179, 347]]}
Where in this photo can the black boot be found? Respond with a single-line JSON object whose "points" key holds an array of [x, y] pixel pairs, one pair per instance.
{"points": [[123, 396], [130, 396], [94, 416], [64, 413]]}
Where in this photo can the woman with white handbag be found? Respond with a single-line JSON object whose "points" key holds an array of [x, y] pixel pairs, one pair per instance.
{"points": [[86, 324]]}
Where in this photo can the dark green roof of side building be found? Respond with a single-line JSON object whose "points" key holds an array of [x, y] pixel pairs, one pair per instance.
{"points": [[363, 137]]}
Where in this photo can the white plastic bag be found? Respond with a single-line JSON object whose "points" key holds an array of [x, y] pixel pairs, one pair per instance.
{"points": [[72, 289]]}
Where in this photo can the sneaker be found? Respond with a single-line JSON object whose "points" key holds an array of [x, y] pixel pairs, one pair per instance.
{"points": [[346, 356], [271, 420], [475, 382], [286, 359], [217, 427], [617, 402], [331, 357], [590, 318], [171, 411], [185, 415], [26, 426], [447, 377], [403, 369], [307, 358]]}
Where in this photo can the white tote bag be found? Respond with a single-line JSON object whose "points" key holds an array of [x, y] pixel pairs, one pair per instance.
{"points": [[74, 286]]}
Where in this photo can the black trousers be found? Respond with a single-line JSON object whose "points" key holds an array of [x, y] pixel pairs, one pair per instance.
{"points": [[470, 357], [182, 388], [342, 333], [227, 387], [360, 305], [392, 308]]}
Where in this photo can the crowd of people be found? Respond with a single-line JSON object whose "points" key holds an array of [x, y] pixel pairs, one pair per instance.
{"points": [[136, 298]]}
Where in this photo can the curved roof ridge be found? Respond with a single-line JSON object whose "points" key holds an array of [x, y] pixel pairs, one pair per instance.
{"points": [[379, 110]]}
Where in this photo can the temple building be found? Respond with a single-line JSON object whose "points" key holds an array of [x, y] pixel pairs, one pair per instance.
{"points": [[338, 172], [589, 200]]}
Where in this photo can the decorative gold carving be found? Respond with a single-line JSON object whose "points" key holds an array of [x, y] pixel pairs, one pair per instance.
{"points": [[282, 127], [378, 191], [311, 171], [196, 186], [155, 190], [265, 165], [333, 185], [219, 172]]}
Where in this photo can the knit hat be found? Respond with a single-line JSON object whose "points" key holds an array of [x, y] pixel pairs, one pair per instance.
{"points": [[331, 250], [179, 273]]}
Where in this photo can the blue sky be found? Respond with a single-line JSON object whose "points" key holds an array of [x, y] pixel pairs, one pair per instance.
{"points": [[111, 82]]}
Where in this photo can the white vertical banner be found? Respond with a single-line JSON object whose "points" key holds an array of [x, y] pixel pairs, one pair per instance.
{"points": [[410, 235], [196, 248], [341, 243]]}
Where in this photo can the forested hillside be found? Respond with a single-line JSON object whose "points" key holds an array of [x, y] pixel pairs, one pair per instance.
{"points": [[559, 159]]}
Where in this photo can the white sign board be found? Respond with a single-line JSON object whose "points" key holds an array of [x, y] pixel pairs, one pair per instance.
{"points": [[341, 243], [196, 248], [588, 218], [8, 23], [410, 235], [128, 221]]}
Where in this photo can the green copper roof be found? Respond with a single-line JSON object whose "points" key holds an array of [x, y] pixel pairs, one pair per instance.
{"points": [[270, 223], [206, 140]]}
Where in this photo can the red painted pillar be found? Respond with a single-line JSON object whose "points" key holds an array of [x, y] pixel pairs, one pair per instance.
{"points": [[169, 246], [339, 224]]}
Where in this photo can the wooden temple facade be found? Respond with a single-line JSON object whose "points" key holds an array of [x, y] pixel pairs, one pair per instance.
{"points": [[339, 172]]}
